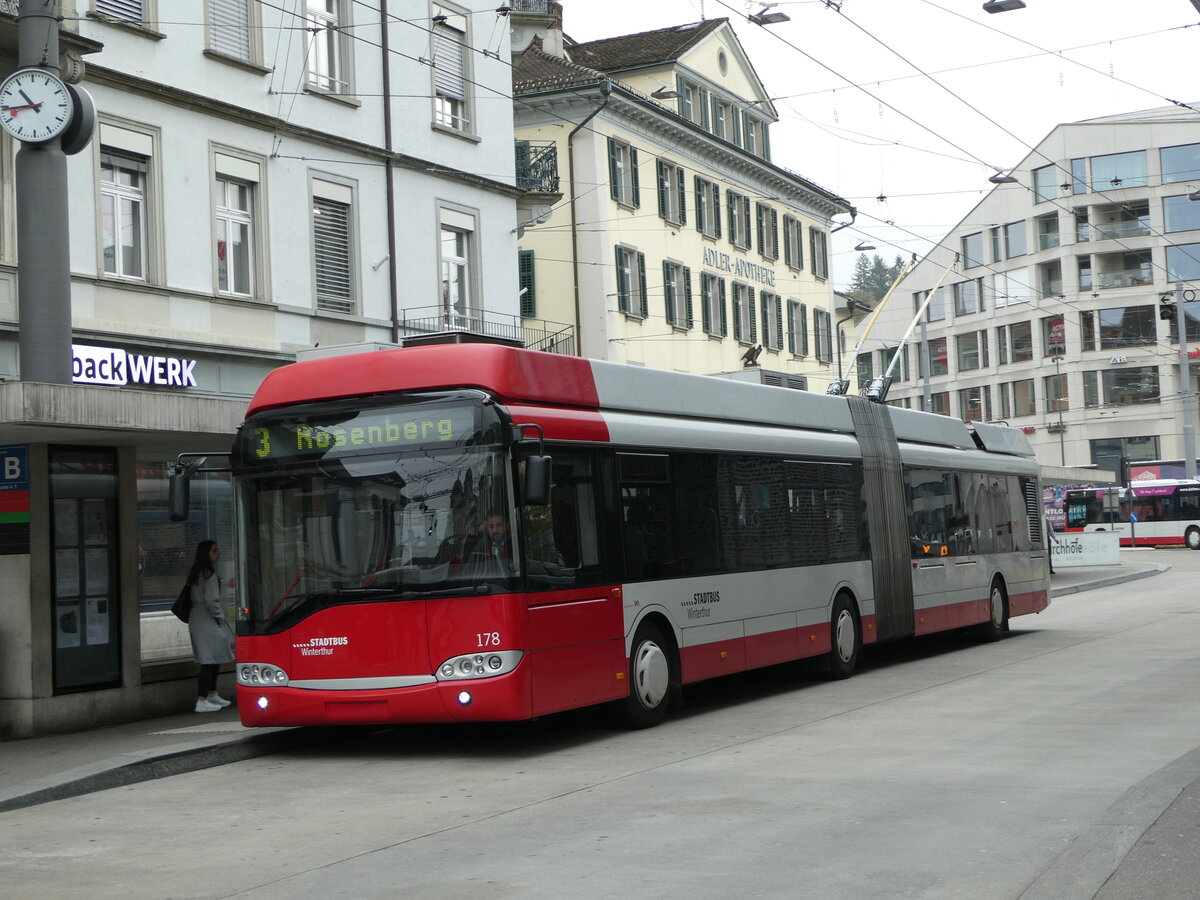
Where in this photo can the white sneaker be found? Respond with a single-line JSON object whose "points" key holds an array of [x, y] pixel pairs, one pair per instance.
{"points": [[206, 706], [219, 700]]}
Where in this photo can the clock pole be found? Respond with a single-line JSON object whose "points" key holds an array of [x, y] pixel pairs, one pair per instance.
{"points": [[43, 248]]}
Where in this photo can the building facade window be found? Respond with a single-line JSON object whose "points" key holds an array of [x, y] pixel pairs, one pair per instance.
{"points": [[793, 242], [137, 12], [671, 203], [1180, 163], [818, 252], [1045, 183], [1131, 449], [333, 247], [632, 297], [1183, 262], [798, 328], [1118, 170], [1057, 396], [745, 325], [938, 358], [677, 294], [712, 305], [451, 69], [623, 173], [123, 229], [738, 216], [972, 351], [1054, 335], [526, 285], [1079, 176], [235, 237], [1083, 228], [1128, 326], [1024, 402], [975, 404], [1180, 214], [1012, 287], [1047, 231], [899, 369], [972, 250], [939, 402], [772, 320], [234, 30], [1121, 387], [967, 297], [1014, 240], [328, 48], [767, 223], [823, 335], [708, 208]]}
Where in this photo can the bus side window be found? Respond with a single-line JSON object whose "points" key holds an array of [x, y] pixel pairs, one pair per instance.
{"points": [[562, 538]]}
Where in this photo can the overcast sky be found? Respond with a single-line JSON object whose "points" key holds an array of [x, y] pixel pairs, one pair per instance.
{"points": [[861, 121]]}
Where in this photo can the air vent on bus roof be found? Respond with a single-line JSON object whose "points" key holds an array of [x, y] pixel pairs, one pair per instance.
{"points": [[755, 375]]}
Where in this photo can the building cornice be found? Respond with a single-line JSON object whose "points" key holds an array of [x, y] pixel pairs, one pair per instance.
{"points": [[275, 125]]}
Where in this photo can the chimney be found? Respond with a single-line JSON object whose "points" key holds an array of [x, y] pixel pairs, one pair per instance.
{"points": [[552, 40]]}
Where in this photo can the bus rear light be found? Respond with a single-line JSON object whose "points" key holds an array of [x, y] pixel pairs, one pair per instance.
{"points": [[261, 675], [478, 665]]}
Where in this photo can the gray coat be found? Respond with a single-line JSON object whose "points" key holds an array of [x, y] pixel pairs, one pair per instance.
{"points": [[207, 625]]}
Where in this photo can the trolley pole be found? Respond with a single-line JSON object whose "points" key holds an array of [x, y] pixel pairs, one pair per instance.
{"points": [[1185, 387]]}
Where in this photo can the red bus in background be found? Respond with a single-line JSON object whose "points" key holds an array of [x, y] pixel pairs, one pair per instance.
{"points": [[1157, 513], [396, 564]]}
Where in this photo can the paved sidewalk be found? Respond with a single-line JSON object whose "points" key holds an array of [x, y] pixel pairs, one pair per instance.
{"points": [[38, 770]]}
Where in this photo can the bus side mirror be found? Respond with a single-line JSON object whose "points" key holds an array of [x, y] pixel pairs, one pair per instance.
{"points": [[537, 480], [179, 484]]}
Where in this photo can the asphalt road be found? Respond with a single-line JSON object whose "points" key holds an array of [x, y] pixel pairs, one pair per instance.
{"points": [[944, 769]]}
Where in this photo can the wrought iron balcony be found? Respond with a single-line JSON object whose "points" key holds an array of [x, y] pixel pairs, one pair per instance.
{"points": [[534, 7], [533, 334], [537, 167]]}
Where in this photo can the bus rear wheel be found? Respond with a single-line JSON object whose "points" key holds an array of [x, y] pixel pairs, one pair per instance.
{"points": [[1192, 538], [650, 675], [997, 622], [845, 638]]}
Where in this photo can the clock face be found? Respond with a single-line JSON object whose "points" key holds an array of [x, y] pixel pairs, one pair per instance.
{"points": [[34, 105]]}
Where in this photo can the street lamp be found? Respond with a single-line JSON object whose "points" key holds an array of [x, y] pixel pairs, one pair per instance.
{"points": [[995, 6]]}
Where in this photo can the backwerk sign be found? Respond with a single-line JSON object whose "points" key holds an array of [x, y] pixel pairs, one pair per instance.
{"points": [[112, 366]]}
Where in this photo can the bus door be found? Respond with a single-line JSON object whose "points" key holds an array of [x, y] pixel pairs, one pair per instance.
{"points": [[931, 516]]}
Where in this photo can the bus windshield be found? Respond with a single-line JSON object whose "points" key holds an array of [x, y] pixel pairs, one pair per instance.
{"points": [[346, 505]]}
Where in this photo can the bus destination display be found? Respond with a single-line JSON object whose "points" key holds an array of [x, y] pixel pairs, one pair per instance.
{"points": [[394, 429]]}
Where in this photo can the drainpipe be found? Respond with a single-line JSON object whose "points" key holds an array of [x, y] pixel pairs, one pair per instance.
{"points": [[389, 174], [606, 90]]}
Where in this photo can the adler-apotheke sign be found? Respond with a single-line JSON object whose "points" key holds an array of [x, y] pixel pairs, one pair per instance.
{"points": [[115, 367]]}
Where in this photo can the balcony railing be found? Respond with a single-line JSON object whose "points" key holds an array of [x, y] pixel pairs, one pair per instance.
{"points": [[537, 167], [533, 334], [536, 7], [1121, 230], [1129, 278]]}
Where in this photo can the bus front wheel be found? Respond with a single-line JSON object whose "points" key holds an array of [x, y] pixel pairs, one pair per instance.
{"points": [[650, 670], [845, 638], [1192, 538]]}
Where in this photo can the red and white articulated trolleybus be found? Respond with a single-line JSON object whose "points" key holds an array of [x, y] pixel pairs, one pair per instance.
{"points": [[402, 557], [1153, 513]]}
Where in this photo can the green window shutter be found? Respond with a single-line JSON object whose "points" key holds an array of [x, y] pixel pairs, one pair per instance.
{"points": [[525, 282], [668, 293], [699, 188], [680, 181], [715, 115], [706, 291], [663, 187], [774, 233], [778, 323], [803, 329], [746, 219], [747, 134], [759, 209], [687, 296], [721, 302], [764, 302], [644, 298], [787, 241], [622, 281], [704, 109], [685, 107], [739, 297], [766, 141], [750, 308], [730, 199], [636, 199], [614, 170], [716, 211]]}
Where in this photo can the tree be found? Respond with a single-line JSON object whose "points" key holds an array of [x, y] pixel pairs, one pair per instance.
{"points": [[872, 278]]}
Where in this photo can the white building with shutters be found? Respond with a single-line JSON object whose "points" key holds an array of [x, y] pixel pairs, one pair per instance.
{"points": [[264, 178], [678, 242]]}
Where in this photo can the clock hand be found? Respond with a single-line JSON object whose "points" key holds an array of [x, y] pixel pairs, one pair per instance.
{"points": [[13, 110], [26, 96]]}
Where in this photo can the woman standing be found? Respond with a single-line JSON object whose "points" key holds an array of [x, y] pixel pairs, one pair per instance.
{"points": [[207, 625]]}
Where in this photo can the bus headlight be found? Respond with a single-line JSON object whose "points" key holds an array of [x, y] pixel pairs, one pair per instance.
{"points": [[479, 665], [261, 675]]}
